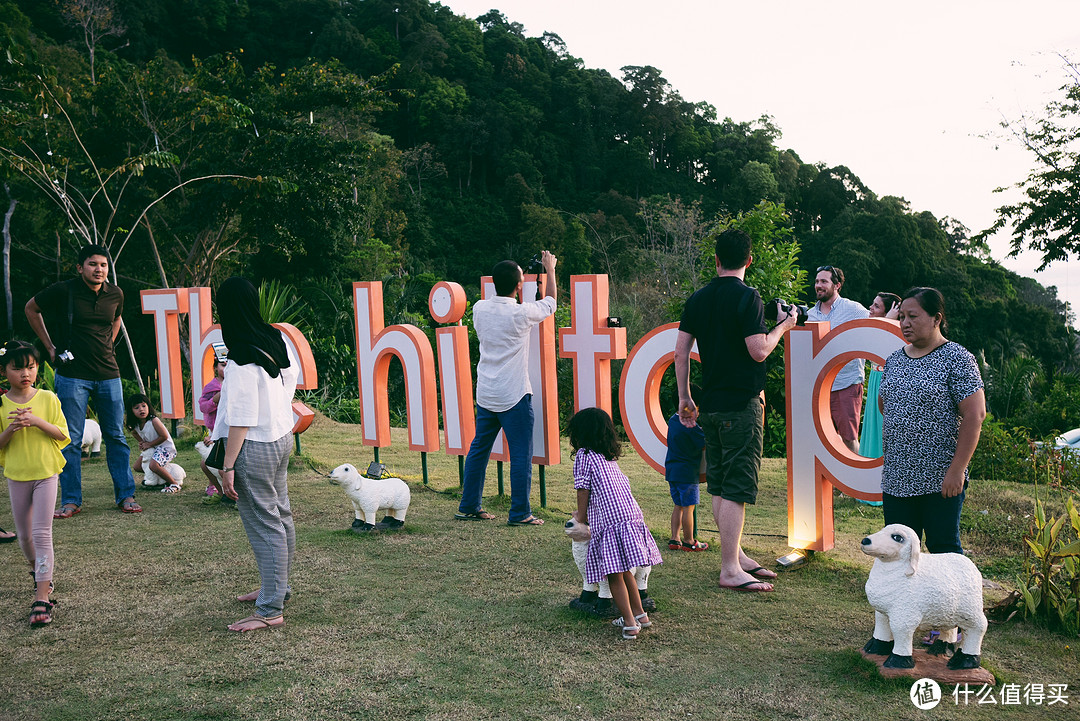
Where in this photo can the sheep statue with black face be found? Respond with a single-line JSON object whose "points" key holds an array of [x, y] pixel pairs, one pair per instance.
{"points": [[910, 590], [369, 495]]}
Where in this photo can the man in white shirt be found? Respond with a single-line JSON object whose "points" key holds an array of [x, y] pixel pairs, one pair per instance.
{"points": [[503, 390], [847, 391]]}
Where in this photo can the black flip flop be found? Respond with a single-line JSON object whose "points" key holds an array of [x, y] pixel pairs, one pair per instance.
{"points": [[480, 515], [530, 521], [755, 572]]}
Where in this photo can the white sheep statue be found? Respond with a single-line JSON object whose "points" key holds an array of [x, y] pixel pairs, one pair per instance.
{"points": [[369, 495], [91, 439], [910, 590], [176, 472], [580, 534]]}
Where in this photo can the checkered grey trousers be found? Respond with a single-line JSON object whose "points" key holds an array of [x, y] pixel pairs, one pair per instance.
{"points": [[263, 503]]}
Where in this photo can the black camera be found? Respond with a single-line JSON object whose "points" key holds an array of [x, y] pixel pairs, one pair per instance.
{"points": [[614, 322], [785, 308]]}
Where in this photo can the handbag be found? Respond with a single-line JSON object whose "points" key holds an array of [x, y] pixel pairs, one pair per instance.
{"points": [[216, 457]]}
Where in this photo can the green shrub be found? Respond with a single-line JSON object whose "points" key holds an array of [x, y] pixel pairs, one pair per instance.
{"points": [[1050, 589]]}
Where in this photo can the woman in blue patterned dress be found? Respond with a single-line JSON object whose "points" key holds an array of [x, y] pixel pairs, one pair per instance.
{"points": [[933, 406], [620, 541]]}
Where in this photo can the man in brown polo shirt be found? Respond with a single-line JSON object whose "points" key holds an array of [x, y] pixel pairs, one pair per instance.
{"points": [[83, 314]]}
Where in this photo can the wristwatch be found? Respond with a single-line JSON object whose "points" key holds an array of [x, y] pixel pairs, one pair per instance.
{"points": [[230, 468]]}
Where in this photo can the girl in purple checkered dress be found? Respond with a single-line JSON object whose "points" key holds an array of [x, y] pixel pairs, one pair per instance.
{"points": [[620, 541]]}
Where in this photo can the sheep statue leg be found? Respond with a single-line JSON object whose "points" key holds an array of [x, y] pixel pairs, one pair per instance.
{"points": [[368, 524], [641, 575], [881, 643], [395, 518], [970, 653], [903, 629], [586, 600], [365, 518]]}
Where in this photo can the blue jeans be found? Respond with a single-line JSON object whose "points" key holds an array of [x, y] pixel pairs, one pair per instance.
{"points": [[109, 404], [938, 516], [518, 425]]}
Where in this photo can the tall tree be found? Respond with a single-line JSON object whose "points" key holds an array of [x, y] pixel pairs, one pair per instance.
{"points": [[1047, 220], [97, 20]]}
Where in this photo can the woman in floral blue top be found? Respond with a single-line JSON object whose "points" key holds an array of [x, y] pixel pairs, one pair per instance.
{"points": [[933, 406]]}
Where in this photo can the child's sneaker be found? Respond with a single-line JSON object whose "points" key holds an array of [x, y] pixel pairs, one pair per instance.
{"points": [[210, 490], [212, 500]]}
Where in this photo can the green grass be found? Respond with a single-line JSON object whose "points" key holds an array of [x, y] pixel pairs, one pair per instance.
{"points": [[452, 620]]}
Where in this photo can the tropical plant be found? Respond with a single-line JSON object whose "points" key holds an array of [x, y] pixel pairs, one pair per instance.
{"points": [[1009, 384], [1050, 588], [279, 303]]}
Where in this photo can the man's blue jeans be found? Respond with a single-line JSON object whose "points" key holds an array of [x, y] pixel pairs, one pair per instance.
{"points": [[518, 425], [109, 404]]}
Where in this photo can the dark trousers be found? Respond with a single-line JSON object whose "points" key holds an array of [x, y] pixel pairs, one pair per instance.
{"points": [[937, 516]]}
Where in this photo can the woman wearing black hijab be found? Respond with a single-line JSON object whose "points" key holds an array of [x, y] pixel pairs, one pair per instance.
{"points": [[255, 414]]}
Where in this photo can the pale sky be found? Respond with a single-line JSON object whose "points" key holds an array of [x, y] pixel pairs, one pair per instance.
{"points": [[909, 96]]}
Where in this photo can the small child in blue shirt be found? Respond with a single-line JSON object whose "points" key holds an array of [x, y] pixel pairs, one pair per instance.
{"points": [[682, 468]]}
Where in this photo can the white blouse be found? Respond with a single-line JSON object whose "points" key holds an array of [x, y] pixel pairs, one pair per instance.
{"points": [[250, 397]]}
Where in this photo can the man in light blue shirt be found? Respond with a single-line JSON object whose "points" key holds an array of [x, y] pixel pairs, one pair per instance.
{"points": [[847, 391]]}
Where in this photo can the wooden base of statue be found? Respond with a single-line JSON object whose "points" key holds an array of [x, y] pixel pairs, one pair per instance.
{"points": [[930, 666]]}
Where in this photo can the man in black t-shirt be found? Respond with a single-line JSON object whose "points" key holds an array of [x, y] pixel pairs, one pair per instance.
{"points": [[726, 319], [83, 314]]}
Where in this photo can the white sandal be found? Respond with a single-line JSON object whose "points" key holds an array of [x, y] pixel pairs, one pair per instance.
{"points": [[171, 488], [619, 623]]}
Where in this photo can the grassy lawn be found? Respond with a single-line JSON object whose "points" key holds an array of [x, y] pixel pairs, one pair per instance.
{"points": [[453, 620]]}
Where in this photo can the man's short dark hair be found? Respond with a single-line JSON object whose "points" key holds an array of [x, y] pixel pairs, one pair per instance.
{"points": [[733, 248], [88, 250], [506, 275]]}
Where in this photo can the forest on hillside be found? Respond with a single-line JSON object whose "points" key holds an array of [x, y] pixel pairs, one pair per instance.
{"points": [[312, 143]]}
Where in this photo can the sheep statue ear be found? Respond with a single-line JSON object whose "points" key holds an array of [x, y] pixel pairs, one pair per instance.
{"points": [[913, 559]]}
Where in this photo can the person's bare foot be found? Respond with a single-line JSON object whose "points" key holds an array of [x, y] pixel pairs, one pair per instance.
{"points": [[256, 623], [744, 582], [248, 597]]}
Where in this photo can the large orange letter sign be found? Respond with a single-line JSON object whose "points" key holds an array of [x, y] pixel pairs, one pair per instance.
{"points": [[374, 347], [590, 343], [817, 457], [166, 305], [447, 305], [639, 392]]}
